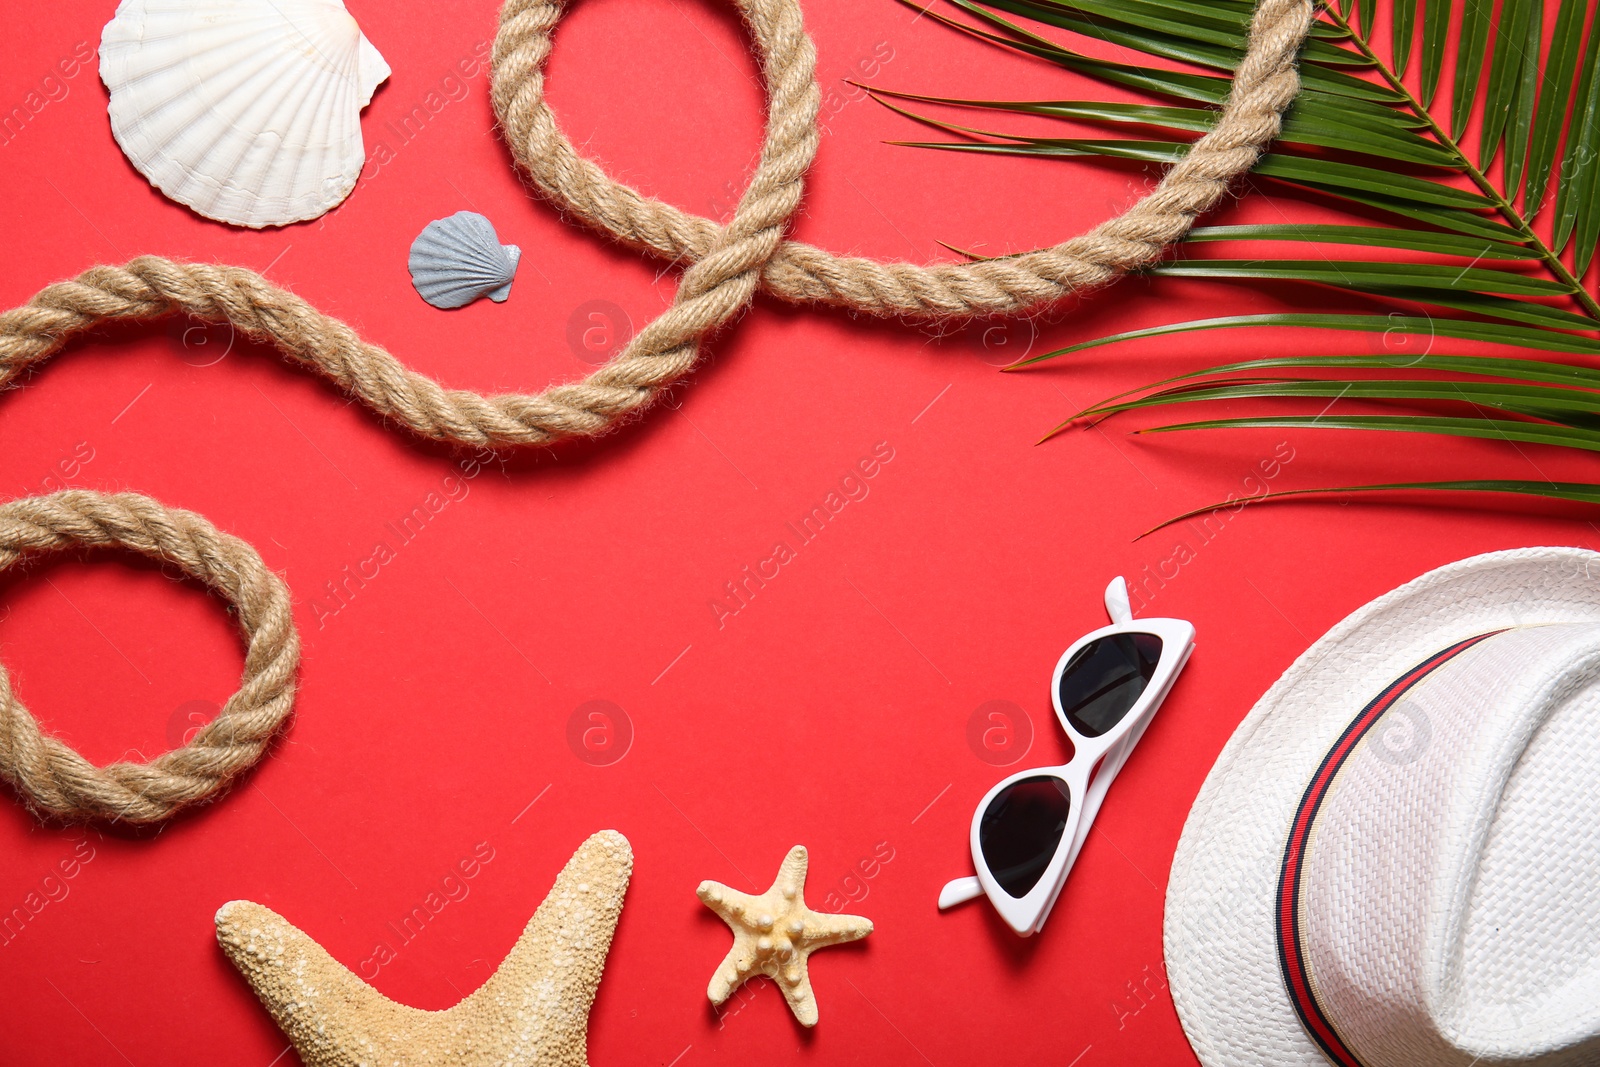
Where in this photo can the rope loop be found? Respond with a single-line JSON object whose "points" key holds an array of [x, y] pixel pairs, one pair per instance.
{"points": [[1264, 85], [49, 774], [726, 264]]}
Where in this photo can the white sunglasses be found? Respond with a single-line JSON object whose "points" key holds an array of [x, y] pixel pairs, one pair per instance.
{"points": [[1028, 829]]}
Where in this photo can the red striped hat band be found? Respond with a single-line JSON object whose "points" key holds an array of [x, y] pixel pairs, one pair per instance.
{"points": [[1291, 948]]}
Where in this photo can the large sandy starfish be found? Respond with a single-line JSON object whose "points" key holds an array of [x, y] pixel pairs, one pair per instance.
{"points": [[534, 1010], [774, 934]]}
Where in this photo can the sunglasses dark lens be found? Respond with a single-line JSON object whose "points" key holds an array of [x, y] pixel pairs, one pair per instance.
{"points": [[1105, 678], [1020, 830]]}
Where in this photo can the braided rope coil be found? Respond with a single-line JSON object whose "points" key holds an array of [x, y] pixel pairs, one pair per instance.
{"points": [[51, 776], [726, 264]]}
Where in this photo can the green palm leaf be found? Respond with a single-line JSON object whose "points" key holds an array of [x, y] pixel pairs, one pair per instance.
{"points": [[1435, 38], [1509, 309], [1556, 404], [1578, 491], [1393, 324], [1492, 429], [1525, 370], [1353, 274], [1555, 93], [1444, 244], [1405, 31], [1460, 174], [1473, 44], [1523, 98]]}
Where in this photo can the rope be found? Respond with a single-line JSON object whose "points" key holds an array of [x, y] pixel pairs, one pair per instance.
{"points": [[726, 264], [52, 777], [725, 267], [1264, 85]]}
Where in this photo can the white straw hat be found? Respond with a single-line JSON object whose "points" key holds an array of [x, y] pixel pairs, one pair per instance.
{"points": [[1396, 860]]}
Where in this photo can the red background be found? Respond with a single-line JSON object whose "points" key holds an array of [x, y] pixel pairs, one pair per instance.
{"points": [[832, 710]]}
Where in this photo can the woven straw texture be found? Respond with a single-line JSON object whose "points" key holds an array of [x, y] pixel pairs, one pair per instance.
{"points": [[1450, 908], [1221, 944]]}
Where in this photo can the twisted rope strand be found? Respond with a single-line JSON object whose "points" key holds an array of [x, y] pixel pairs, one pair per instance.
{"points": [[55, 779], [726, 264], [1264, 85]]}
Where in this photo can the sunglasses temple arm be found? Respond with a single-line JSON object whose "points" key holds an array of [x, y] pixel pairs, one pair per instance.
{"points": [[1118, 607], [959, 891]]}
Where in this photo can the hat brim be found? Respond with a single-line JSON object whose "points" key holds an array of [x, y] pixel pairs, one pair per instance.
{"points": [[1221, 936]]}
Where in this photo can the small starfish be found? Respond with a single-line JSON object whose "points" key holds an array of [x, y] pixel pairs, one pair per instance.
{"points": [[775, 933], [534, 1009]]}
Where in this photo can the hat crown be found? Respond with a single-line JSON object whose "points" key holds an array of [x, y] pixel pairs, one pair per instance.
{"points": [[1450, 895]]}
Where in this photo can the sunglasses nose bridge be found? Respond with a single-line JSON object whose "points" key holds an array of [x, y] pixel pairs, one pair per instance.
{"points": [[1074, 740]]}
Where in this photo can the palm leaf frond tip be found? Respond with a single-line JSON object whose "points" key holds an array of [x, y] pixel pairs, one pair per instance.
{"points": [[1472, 127]]}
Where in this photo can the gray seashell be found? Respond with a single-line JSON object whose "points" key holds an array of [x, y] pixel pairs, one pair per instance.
{"points": [[456, 260]]}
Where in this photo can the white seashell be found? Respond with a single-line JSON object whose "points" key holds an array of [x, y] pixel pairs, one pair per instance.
{"points": [[247, 111], [456, 260]]}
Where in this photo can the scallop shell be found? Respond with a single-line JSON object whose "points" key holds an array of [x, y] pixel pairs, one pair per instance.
{"points": [[247, 111], [456, 260]]}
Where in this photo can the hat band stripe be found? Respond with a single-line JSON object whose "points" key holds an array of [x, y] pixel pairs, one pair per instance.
{"points": [[1291, 954]]}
